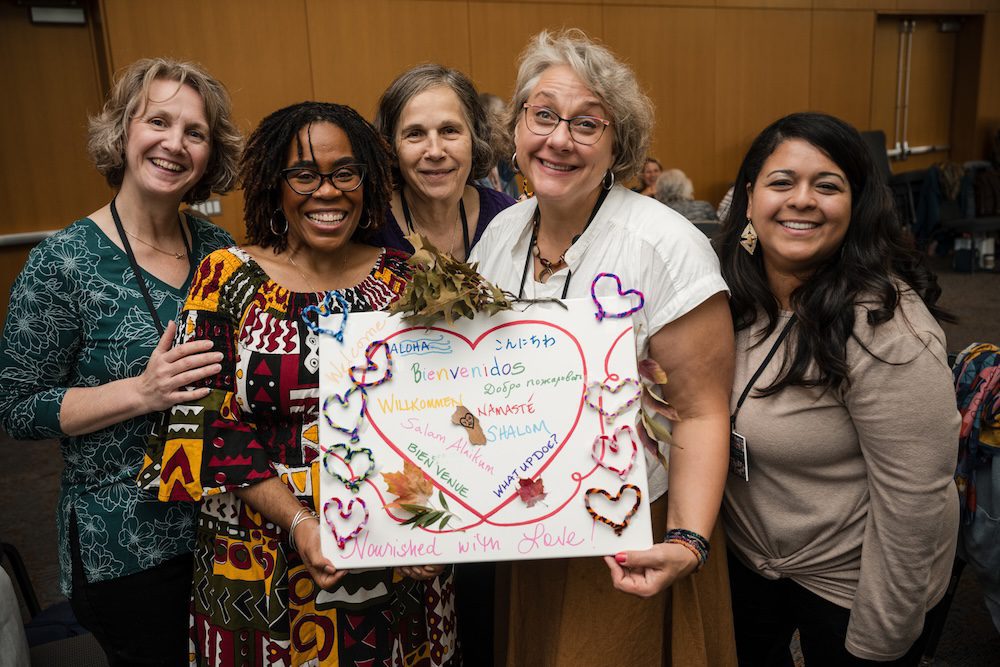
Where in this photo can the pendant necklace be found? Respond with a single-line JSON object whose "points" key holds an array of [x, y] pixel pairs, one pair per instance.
{"points": [[175, 255], [548, 266]]}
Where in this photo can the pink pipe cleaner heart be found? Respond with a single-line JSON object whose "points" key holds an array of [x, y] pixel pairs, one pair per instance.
{"points": [[604, 386], [370, 365], [601, 313], [344, 399], [341, 541], [610, 443]]}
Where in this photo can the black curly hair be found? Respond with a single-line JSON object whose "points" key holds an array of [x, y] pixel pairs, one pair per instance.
{"points": [[266, 153], [873, 258]]}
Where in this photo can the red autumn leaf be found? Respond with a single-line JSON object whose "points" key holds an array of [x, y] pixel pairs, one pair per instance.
{"points": [[412, 486], [531, 491]]}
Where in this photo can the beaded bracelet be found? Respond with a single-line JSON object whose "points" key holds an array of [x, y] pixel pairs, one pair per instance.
{"points": [[300, 516], [691, 540]]}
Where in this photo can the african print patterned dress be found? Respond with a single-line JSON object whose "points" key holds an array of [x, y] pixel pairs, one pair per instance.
{"points": [[254, 602]]}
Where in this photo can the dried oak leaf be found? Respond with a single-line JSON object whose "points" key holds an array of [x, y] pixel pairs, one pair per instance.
{"points": [[411, 486], [652, 371], [442, 287], [531, 491]]}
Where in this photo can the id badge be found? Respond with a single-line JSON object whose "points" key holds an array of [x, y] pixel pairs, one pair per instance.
{"points": [[739, 464]]}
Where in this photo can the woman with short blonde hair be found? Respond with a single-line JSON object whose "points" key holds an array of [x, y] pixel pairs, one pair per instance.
{"points": [[86, 352]]}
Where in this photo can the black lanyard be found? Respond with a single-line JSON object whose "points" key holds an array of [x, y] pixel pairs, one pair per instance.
{"points": [[536, 223], [461, 211], [760, 369], [135, 265]]}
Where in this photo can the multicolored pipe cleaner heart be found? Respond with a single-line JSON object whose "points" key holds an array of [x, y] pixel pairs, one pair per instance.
{"points": [[341, 541], [326, 308], [344, 399], [601, 313], [610, 443], [616, 526], [610, 416], [372, 366], [354, 482]]}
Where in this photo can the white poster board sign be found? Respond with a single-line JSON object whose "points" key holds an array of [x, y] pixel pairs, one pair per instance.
{"points": [[522, 426]]}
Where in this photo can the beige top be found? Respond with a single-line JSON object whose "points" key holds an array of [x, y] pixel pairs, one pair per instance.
{"points": [[851, 492]]}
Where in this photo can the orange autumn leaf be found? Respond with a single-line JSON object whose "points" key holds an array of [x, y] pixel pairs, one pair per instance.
{"points": [[411, 487]]}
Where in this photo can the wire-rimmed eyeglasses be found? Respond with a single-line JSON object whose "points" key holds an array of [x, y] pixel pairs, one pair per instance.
{"points": [[346, 178], [543, 121]]}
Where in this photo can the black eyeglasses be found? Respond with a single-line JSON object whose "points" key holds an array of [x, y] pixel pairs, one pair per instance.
{"points": [[543, 121], [346, 178]]}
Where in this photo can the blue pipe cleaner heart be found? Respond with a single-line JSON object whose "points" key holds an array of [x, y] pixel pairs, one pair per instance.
{"points": [[326, 308]]}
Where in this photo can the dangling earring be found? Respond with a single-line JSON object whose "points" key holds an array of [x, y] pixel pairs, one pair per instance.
{"points": [[749, 237], [605, 184], [513, 163], [271, 223]]}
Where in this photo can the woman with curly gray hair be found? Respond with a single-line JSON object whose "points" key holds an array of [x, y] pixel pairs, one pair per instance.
{"points": [[581, 127], [86, 352]]}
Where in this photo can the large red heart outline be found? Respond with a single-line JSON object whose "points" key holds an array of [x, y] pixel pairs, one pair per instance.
{"points": [[576, 391]]}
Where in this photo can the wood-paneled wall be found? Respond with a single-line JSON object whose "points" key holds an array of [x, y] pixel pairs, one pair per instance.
{"points": [[717, 70]]}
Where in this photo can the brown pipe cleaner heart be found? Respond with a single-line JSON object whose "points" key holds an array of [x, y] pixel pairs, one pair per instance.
{"points": [[617, 527]]}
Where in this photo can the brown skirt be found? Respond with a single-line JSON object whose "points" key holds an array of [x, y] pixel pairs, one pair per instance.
{"points": [[566, 612]]}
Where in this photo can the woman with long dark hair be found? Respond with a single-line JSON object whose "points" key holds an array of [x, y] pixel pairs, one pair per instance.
{"points": [[844, 523]]}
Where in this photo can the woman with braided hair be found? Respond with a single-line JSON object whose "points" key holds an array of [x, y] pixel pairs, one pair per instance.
{"points": [[316, 180]]}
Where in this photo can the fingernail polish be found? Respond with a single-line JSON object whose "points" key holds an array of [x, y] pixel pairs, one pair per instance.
{"points": [[620, 558]]}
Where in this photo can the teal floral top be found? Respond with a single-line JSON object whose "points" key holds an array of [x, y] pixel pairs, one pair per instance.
{"points": [[77, 319]]}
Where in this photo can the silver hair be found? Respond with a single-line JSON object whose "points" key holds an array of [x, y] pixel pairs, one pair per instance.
{"points": [[672, 185], [611, 80]]}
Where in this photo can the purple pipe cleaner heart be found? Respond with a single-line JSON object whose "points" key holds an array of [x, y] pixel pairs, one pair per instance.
{"points": [[343, 400], [370, 365], [601, 313]]}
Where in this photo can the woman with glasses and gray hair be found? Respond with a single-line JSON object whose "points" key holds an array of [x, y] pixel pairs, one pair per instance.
{"points": [[316, 181], [442, 139], [581, 127], [86, 352]]}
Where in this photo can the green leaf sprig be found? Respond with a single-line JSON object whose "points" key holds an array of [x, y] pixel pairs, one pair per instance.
{"points": [[425, 516], [443, 287]]}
